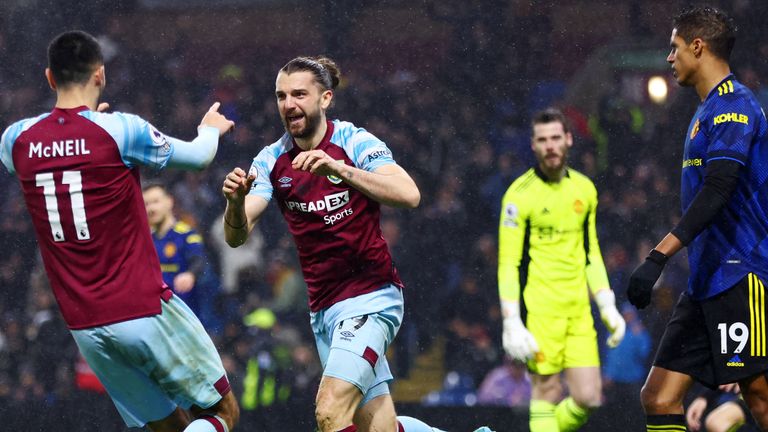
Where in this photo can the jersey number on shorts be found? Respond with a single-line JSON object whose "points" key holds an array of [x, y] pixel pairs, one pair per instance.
{"points": [[737, 331], [75, 182]]}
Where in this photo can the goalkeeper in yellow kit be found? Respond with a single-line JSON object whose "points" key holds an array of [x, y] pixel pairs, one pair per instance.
{"points": [[548, 256]]}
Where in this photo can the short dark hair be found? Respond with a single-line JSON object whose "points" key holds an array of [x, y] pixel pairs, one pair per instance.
{"points": [[73, 56], [151, 184], [325, 70], [712, 25], [551, 115]]}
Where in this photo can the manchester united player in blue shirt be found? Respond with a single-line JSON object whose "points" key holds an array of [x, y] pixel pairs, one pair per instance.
{"points": [[717, 333], [329, 179]]}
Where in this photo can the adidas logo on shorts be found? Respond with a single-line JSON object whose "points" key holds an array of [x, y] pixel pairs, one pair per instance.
{"points": [[735, 361]]}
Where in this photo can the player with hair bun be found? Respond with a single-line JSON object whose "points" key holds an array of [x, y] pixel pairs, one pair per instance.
{"points": [[329, 179]]}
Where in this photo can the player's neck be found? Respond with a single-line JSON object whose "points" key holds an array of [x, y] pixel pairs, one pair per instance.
{"points": [[711, 75], [76, 97], [553, 175], [311, 142], [165, 226]]}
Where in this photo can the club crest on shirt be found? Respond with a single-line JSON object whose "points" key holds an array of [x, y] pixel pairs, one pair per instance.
{"points": [[169, 250], [578, 206], [695, 129], [334, 179]]}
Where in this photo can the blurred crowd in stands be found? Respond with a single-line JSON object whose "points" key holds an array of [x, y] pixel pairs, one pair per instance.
{"points": [[458, 124]]}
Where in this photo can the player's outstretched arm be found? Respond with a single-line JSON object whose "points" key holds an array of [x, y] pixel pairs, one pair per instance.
{"points": [[199, 153], [389, 184], [213, 118], [243, 210]]}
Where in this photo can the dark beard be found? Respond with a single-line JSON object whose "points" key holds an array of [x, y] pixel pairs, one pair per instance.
{"points": [[313, 122]]}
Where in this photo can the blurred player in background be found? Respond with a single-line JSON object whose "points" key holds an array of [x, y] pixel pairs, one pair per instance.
{"points": [[79, 172], [183, 260], [720, 410], [329, 179], [548, 256], [716, 334]]}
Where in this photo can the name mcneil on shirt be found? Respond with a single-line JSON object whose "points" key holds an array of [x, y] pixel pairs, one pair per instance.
{"points": [[71, 147]]}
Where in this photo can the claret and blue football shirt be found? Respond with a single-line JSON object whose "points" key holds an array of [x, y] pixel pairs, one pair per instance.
{"points": [[335, 226]]}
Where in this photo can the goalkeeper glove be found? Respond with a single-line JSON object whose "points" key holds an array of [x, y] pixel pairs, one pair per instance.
{"points": [[614, 322], [644, 278], [518, 342]]}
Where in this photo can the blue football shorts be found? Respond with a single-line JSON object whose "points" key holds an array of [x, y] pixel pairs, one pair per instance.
{"points": [[151, 365], [352, 337]]}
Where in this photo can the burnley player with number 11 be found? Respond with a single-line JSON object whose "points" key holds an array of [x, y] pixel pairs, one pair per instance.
{"points": [[79, 172]]}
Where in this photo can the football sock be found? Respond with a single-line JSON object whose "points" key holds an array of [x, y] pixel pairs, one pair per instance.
{"points": [[207, 423], [743, 427], [410, 424], [665, 423], [570, 416], [543, 416]]}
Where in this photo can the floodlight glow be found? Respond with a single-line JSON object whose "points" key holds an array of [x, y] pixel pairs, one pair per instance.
{"points": [[657, 89]]}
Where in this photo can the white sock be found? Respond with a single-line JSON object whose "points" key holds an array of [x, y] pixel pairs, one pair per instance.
{"points": [[208, 423], [411, 424]]}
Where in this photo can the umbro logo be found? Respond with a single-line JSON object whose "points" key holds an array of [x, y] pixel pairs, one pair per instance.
{"points": [[545, 211], [285, 181]]}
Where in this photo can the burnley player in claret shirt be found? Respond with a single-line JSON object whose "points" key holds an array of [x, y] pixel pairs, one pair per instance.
{"points": [[79, 172], [329, 179]]}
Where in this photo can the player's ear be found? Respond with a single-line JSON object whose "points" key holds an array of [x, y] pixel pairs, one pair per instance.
{"points": [[697, 46], [568, 139], [326, 98], [99, 77], [49, 77]]}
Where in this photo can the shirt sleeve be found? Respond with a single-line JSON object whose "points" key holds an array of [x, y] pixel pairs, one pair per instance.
{"points": [[731, 128], [369, 152], [262, 168], [512, 227], [6, 145], [597, 276], [139, 142], [9, 138]]}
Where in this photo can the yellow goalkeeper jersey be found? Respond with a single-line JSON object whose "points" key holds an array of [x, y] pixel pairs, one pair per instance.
{"points": [[548, 247]]}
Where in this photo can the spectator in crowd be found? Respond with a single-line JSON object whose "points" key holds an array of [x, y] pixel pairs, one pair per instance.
{"points": [[506, 385]]}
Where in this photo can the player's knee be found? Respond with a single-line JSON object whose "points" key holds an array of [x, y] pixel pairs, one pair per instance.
{"points": [[551, 390], [590, 398], [715, 423], [228, 409], [233, 410], [330, 412], [655, 402], [325, 416]]}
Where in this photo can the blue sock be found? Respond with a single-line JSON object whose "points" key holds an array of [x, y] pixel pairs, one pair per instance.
{"points": [[410, 424]]}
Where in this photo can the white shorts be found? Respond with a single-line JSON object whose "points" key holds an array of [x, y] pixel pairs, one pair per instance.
{"points": [[352, 337], [151, 365]]}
